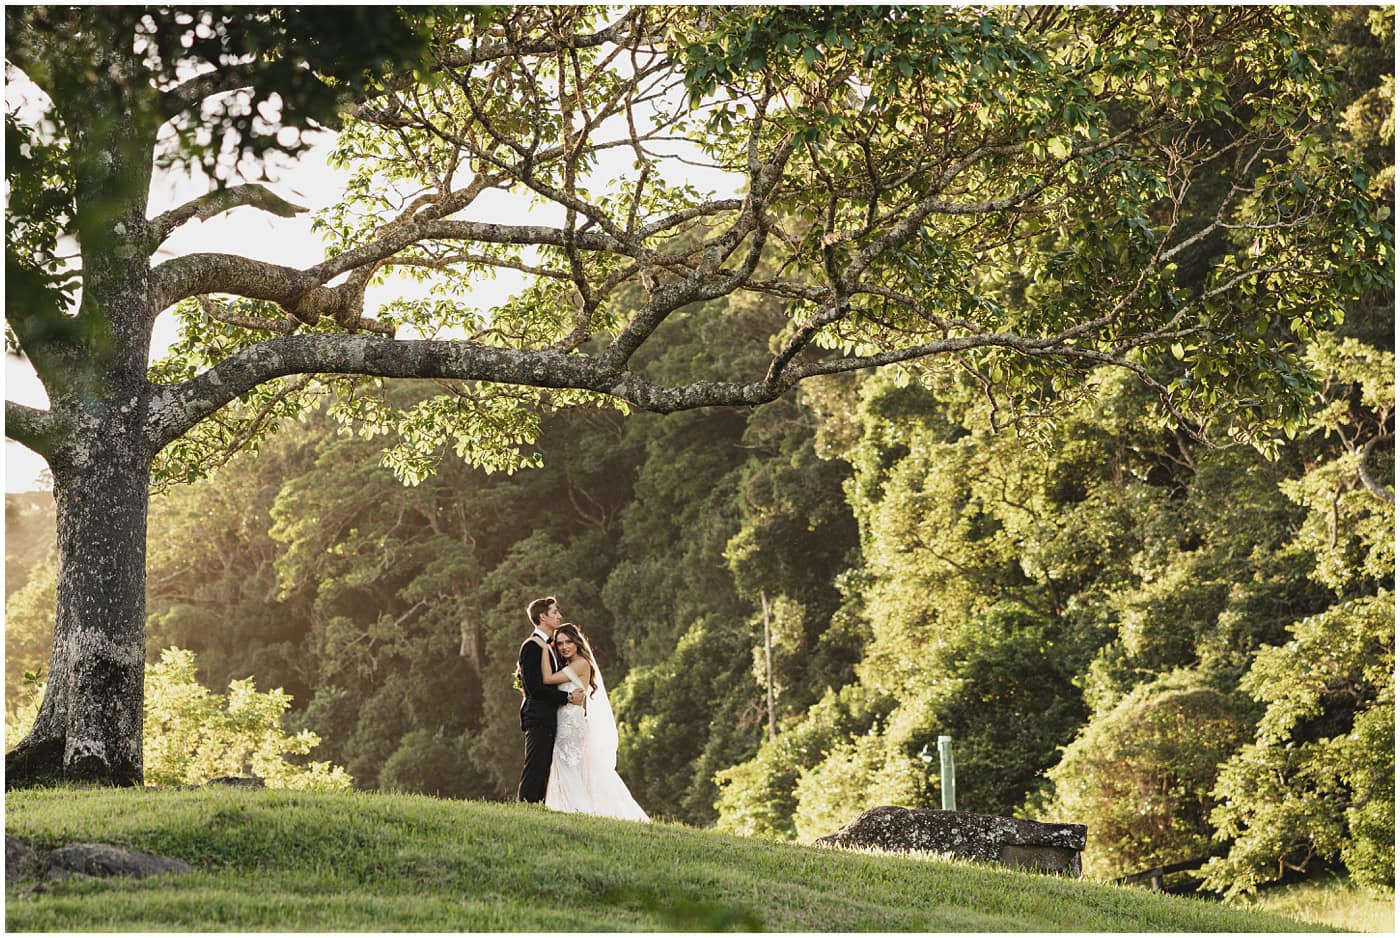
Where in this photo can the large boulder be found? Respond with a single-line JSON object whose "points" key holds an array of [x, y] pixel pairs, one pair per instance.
{"points": [[107, 860], [990, 839]]}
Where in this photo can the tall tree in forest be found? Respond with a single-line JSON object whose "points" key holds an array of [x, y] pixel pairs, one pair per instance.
{"points": [[1317, 784], [913, 174]]}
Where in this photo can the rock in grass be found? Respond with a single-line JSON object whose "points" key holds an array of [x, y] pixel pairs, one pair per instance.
{"points": [[17, 855], [985, 837], [107, 860], [238, 781]]}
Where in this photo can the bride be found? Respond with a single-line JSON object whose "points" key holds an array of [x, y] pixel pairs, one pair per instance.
{"points": [[583, 777]]}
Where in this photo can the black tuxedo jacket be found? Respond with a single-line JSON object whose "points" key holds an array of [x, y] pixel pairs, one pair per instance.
{"points": [[542, 701]]}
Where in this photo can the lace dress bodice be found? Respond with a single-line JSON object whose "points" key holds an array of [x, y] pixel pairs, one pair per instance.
{"points": [[572, 731]]}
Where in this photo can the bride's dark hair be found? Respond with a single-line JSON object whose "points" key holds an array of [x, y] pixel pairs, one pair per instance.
{"points": [[584, 649]]}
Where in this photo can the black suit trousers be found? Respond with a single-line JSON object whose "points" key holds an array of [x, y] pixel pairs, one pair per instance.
{"points": [[539, 753]]}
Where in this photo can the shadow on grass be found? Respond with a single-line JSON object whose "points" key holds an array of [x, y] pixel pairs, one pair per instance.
{"points": [[686, 914]]}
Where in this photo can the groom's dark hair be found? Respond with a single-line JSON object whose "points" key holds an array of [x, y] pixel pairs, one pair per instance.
{"points": [[539, 607]]}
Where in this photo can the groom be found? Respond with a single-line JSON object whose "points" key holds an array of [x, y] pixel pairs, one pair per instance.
{"points": [[539, 710]]}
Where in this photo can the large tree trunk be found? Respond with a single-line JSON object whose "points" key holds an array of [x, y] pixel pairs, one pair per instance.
{"points": [[89, 726]]}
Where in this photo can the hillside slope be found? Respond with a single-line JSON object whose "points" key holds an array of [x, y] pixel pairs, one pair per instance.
{"points": [[302, 861]]}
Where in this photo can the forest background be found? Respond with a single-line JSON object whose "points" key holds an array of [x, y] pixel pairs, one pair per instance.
{"points": [[1188, 649]]}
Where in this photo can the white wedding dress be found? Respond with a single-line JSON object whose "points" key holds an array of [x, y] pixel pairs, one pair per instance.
{"points": [[583, 777]]}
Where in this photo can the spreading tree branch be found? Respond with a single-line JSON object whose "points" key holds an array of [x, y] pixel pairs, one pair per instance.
{"points": [[35, 429], [951, 190], [302, 292], [219, 201], [220, 313], [1372, 486]]}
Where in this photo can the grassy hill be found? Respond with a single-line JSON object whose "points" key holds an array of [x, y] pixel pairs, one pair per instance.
{"points": [[301, 861], [1331, 899]]}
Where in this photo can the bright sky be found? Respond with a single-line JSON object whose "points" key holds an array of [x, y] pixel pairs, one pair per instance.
{"points": [[255, 234]]}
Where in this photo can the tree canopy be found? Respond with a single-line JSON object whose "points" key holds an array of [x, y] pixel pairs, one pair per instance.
{"points": [[1004, 187]]}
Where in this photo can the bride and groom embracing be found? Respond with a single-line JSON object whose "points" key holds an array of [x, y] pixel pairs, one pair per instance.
{"points": [[570, 734]]}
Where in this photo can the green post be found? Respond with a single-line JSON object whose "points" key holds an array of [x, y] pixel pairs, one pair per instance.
{"points": [[945, 762]]}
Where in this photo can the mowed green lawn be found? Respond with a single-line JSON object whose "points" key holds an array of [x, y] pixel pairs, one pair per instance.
{"points": [[304, 861]]}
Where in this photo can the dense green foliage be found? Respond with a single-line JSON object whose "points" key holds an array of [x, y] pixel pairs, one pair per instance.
{"points": [[347, 861], [191, 734], [1188, 648], [1144, 772]]}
